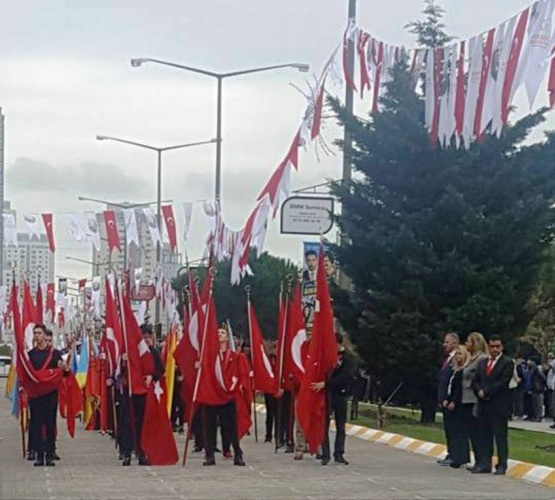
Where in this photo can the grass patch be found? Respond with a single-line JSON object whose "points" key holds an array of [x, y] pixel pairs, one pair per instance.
{"points": [[527, 446]]}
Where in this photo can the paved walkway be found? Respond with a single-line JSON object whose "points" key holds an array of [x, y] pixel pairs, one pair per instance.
{"points": [[89, 469]]}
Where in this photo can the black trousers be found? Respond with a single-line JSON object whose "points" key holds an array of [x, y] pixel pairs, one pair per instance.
{"points": [[178, 407], [43, 419], [271, 404], [448, 426], [494, 426], [473, 432], [228, 421], [286, 419], [337, 405], [460, 449], [131, 416]]}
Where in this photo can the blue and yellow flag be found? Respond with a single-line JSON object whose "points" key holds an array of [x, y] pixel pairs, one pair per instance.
{"points": [[83, 364]]}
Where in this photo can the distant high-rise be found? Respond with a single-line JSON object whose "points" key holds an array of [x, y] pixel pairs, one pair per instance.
{"points": [[2, 196]]}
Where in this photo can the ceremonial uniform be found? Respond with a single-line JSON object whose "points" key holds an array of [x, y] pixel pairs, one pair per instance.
{"points": [[42, 426]]}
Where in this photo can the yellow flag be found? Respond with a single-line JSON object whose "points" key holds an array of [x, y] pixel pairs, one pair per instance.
{"points": [[171, 343]]}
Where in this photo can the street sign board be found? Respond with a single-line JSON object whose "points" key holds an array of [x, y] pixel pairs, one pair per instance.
{"points": [[307, 215]]}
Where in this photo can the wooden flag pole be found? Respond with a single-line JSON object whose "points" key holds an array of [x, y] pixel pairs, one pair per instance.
{"points": [[248, 290]]}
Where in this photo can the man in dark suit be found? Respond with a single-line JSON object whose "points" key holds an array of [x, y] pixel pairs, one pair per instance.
{"points": [[450, 343], [491, 385]]}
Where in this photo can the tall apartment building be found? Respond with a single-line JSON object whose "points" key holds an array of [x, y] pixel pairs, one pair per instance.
{"points": [[31, 257]]}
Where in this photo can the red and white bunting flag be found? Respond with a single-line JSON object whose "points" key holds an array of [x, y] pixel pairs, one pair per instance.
{"points": [[169, 220], [33, 224], [111, 230], [476, 48], [551, 82], [264, 377], [439, 55], [153, 228], [187, 209], [131, 231], [508, 30], [350, 32], [362, 42], [510, 84], [49, 228], [480, 120], [461, 92], [376, 72], [448, 95], [538, 47], [113, 335]]}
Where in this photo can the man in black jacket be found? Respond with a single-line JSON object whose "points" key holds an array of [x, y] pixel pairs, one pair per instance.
{"points": [[450, 343], [491, 385], [338, 388]]}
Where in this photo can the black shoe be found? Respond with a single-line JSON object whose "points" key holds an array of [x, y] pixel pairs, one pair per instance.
{"points": [[49, 462], [325, 461], [239, 461], [455, 465], [445, 462], [126, 462], [217, 450], [289, 449], [319, 456], [197, 449], [341, 460], [500, 471], [31, 456], [481, 470], [143, 461], [180, 430], [552, 426], [267, 440], [55, 456], [209, 461], [40, 461], [472, 469]]}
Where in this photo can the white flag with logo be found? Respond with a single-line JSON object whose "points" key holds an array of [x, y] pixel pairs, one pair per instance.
{"points": [[153, 228], [34, 225], [473, 87], [131, 232], [92, 230]]}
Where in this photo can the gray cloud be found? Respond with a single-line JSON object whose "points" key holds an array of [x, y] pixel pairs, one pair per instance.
{"points": [[86, 178]]}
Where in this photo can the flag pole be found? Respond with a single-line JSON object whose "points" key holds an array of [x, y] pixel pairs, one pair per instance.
{"points": [[281, 355], [210, 276], [248, 290]]}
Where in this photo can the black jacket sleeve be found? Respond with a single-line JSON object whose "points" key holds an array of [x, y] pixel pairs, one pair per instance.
{"points": [[341, 377]]}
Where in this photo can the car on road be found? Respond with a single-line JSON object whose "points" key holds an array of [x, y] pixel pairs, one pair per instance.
{"points": [[5, 362]]}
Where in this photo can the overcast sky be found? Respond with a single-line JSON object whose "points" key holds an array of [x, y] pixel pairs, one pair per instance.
{"points": [[65, 77]]}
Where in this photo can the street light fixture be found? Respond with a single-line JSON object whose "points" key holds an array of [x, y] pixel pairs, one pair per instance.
{"points": [[159, 152], [302, 67]]}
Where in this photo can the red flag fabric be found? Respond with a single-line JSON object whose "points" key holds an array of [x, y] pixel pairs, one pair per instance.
{"points": [[49, 228], [111, 230], [551, 82], [82, 283], [512, 64], [169, 220], [459, 103], [113, 335], [321, 359], [70, 401], [40, 307], [244, 396], [157, 440], [213, 377], [378, 77], [140, 362], [263, 374], [438, 64], [295, 338], [348, 77], [104, 400], [29, 316], [34, 382]]}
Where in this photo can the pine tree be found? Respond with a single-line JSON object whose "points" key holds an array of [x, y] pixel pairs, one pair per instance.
{"points": [[439, 239]]}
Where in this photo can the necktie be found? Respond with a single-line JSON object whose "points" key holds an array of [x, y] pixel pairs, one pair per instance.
{"points": [[446, 362], [489, 366]]}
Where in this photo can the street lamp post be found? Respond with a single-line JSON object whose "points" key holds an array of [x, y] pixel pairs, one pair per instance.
{"points": [[159, 152], [219, 78]]}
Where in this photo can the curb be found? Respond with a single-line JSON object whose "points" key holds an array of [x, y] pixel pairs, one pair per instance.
{"points": [[530, 473]]}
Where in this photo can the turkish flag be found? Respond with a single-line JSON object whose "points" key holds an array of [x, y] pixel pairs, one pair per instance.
{"points": [[321, 359], [113, 336], [70, 401], [50, 302], [82, 284], [512, 64], [244, 396], [157, 440], [295, 338], [111, 230], [34, 382], [40, 306], [140, 362], [264, 378], [47, 220], [169, 220]]}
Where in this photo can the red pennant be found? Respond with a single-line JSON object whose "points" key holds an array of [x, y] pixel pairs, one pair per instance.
{"points": [[47, 221], [486, 64], [40, 306], [169, 220], [50, 302], [438, 62], [362, 41], [348, 76], [111, 230], [377, 83], [82, 283]]}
